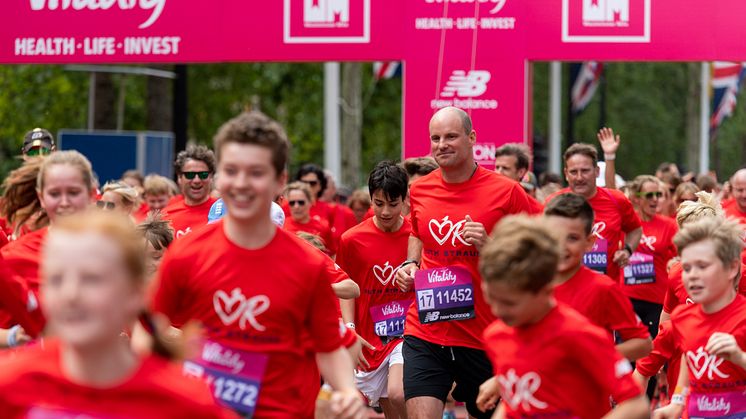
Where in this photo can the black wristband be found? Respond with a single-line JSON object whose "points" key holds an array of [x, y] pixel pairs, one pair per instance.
{"points": [[628, 248], [410, 261]]}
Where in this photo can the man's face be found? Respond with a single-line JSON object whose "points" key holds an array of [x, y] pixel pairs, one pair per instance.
{"points": [[313, 182], [738, 187], [508, 166], [195, 190], [581, 173], [450, 145]]}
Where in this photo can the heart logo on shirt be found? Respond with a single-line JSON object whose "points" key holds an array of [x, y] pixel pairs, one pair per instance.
{"points": [[648, 241], [229, 309], [598, 228], [383, 274], [702, 362], [520, 390], [447, 229]]}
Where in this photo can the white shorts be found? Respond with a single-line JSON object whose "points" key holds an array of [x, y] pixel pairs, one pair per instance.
{"points": [[374, 384]]}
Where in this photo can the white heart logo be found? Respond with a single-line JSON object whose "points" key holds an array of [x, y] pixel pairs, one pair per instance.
{"points": [[445, 224], [234, 305], [383, 274], [695, 360], [598, 228]]}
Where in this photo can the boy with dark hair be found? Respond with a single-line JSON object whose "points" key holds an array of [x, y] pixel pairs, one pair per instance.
{"points": [[268, 323], [548, 362], [370, 253], [594, 295]]}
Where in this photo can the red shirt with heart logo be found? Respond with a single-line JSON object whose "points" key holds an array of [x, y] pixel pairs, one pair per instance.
{"points": [[614, 218], [601, 300], [371, 256], [185, 218], [275, 301], [692, 329], [560, 367], [438, 212], [33, 385]]}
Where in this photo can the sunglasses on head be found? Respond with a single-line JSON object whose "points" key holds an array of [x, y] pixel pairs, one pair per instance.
{"points": [[310, 182], [191, 175], [106, 205], [37, 151], [650, 195], [299, 202]]}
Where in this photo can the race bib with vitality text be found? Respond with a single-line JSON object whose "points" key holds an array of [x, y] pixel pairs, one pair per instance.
{"points": [[388, 319], [729, 405], [640, 270], [234, 376], [597, 258], [444, 294]]}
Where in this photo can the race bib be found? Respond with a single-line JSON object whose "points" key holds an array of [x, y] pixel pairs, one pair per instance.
{"points": [[640, 270], [444, 294], [388, 319], [730, 405], [234, 376], [597, 258]]}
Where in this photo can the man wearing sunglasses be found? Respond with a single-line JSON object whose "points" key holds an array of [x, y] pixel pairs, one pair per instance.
{"points": [[37, 142], [195, 167]]}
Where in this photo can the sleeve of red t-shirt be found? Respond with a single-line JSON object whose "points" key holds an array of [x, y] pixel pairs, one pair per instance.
{"points": [[520, 202], [630, 219], [671, 301], [663, 348], [167, 288], [621, 317], [601, 360], [14, 298], [322, 318]]}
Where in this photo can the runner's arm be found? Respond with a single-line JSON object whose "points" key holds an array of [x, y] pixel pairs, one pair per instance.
{"points": [[635, 348], [674, 410], [630, 409], [348, 310], [633, 238], [337, 369], [405, 275], [499, 412], [347, 289]]}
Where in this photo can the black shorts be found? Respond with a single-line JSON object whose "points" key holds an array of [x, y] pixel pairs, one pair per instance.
{"points": [[430, 370], [649, 313]]}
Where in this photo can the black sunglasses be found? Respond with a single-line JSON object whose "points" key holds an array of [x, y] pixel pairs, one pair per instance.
{"points": [[191, 175], [650, 195], [299, 202], [106, 205]]}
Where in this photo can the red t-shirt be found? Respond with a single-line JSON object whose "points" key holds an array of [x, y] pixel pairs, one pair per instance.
{"points": [[664, 351], [602, 301], [535, 204], [731, 210], [337, 275], [676, 292], [19, 304], [371, 257], [646, 278], [717, 385], [23, 256], [438, 211], [343, 219], [33, 385], [184, 218], [313, 226], [263, 304], [559, 367], [614, 218], [141, 213]]}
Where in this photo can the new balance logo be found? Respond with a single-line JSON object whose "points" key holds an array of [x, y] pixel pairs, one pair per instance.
{"points": [[432, 316], [463, 84]]}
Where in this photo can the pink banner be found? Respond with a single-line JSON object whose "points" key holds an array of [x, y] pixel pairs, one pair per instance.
{"points": [[468, 53]]}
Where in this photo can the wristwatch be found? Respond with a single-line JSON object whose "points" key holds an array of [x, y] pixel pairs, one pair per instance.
{"points": [[628, 248], [409, 261]]}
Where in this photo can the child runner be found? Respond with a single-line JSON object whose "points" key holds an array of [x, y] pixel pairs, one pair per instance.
{"points": [[711, 333], [93, 288], [158, 236], [64, 186], [548, 361], [594, 295], [260, 292], [371, 252]]}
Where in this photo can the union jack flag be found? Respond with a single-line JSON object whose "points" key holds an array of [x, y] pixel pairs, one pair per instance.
{"points": [[585, 80], [725, 84], [386, 69]]}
